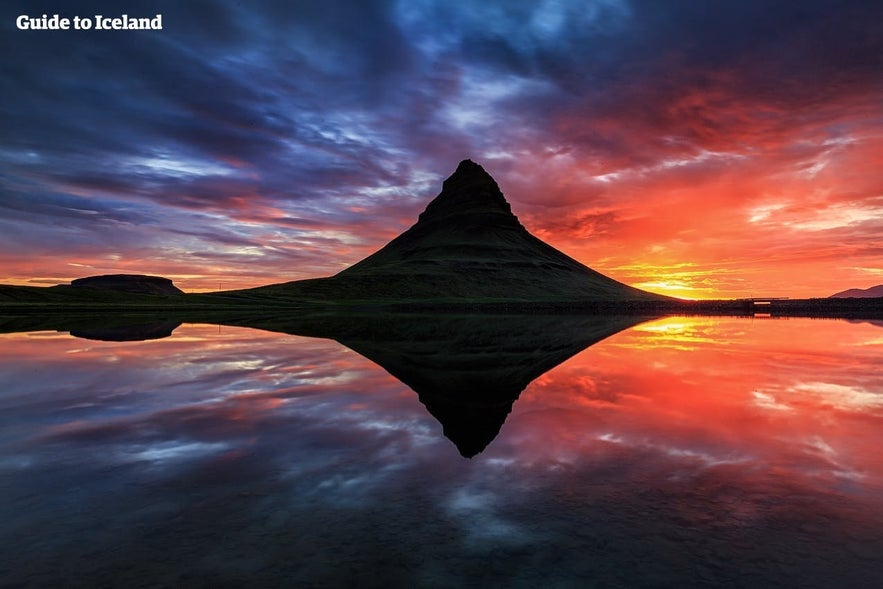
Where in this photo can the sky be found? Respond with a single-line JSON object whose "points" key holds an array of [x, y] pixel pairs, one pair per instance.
{"points": [[692, 148]]}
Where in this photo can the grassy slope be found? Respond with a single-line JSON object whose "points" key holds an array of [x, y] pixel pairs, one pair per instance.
{"points": [[35, 295], [484, 255], [461, 263]]}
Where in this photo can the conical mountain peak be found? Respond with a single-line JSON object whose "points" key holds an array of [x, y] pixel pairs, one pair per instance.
{"points": [[469, 190], [467, 246]]}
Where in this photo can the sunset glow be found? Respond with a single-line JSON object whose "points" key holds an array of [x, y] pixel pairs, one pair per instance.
{"points": [[694, 152], [775, 402]]}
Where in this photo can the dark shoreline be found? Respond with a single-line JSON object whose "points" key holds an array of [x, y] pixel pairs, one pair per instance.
{"points": [[821, 308], [201, 306]]}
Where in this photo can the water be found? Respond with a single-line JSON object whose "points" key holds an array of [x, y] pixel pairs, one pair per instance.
{"points": [[676, 452]]}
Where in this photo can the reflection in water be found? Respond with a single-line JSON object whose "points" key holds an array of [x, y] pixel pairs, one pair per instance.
{"points": [[682, 452], [469, 370], [128, 333]]}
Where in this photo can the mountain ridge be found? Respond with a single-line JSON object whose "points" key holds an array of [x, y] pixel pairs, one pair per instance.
{"points": [[466, 245], [859, 293]]}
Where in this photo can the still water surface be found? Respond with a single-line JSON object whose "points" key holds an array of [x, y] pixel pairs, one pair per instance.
{"points": [[677, 452]]}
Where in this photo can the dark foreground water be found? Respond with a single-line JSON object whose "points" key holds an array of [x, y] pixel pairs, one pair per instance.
{"points": [[681, 452]]}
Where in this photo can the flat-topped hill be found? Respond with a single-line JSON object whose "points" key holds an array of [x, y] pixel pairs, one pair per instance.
{"points": [[134, 283]]}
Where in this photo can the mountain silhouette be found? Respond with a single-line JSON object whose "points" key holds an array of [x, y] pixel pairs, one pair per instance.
{"points": [[466, 246], [130, 283], [859, 293]]}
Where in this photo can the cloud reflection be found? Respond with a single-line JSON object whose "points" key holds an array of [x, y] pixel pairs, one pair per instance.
{"points": [[636, 453]]}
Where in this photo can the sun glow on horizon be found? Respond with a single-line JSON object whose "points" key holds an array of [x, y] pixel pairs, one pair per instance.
{"points": [[670, 288]]}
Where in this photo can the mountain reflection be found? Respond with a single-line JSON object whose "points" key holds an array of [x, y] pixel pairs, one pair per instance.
{"points": [[128, 333], [467, 370]]}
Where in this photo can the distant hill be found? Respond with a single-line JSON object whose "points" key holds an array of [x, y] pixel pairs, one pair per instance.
{"points": [[134, 283], [65, 295], [115, 291], [466, 246], [858, 293]]}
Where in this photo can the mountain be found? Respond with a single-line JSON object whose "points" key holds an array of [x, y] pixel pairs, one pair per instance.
{"points": [[466, 246], [134, 283], [858, 293]]}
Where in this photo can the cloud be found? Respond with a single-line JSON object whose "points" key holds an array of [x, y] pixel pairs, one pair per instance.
{"points": [[597, 119]]}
